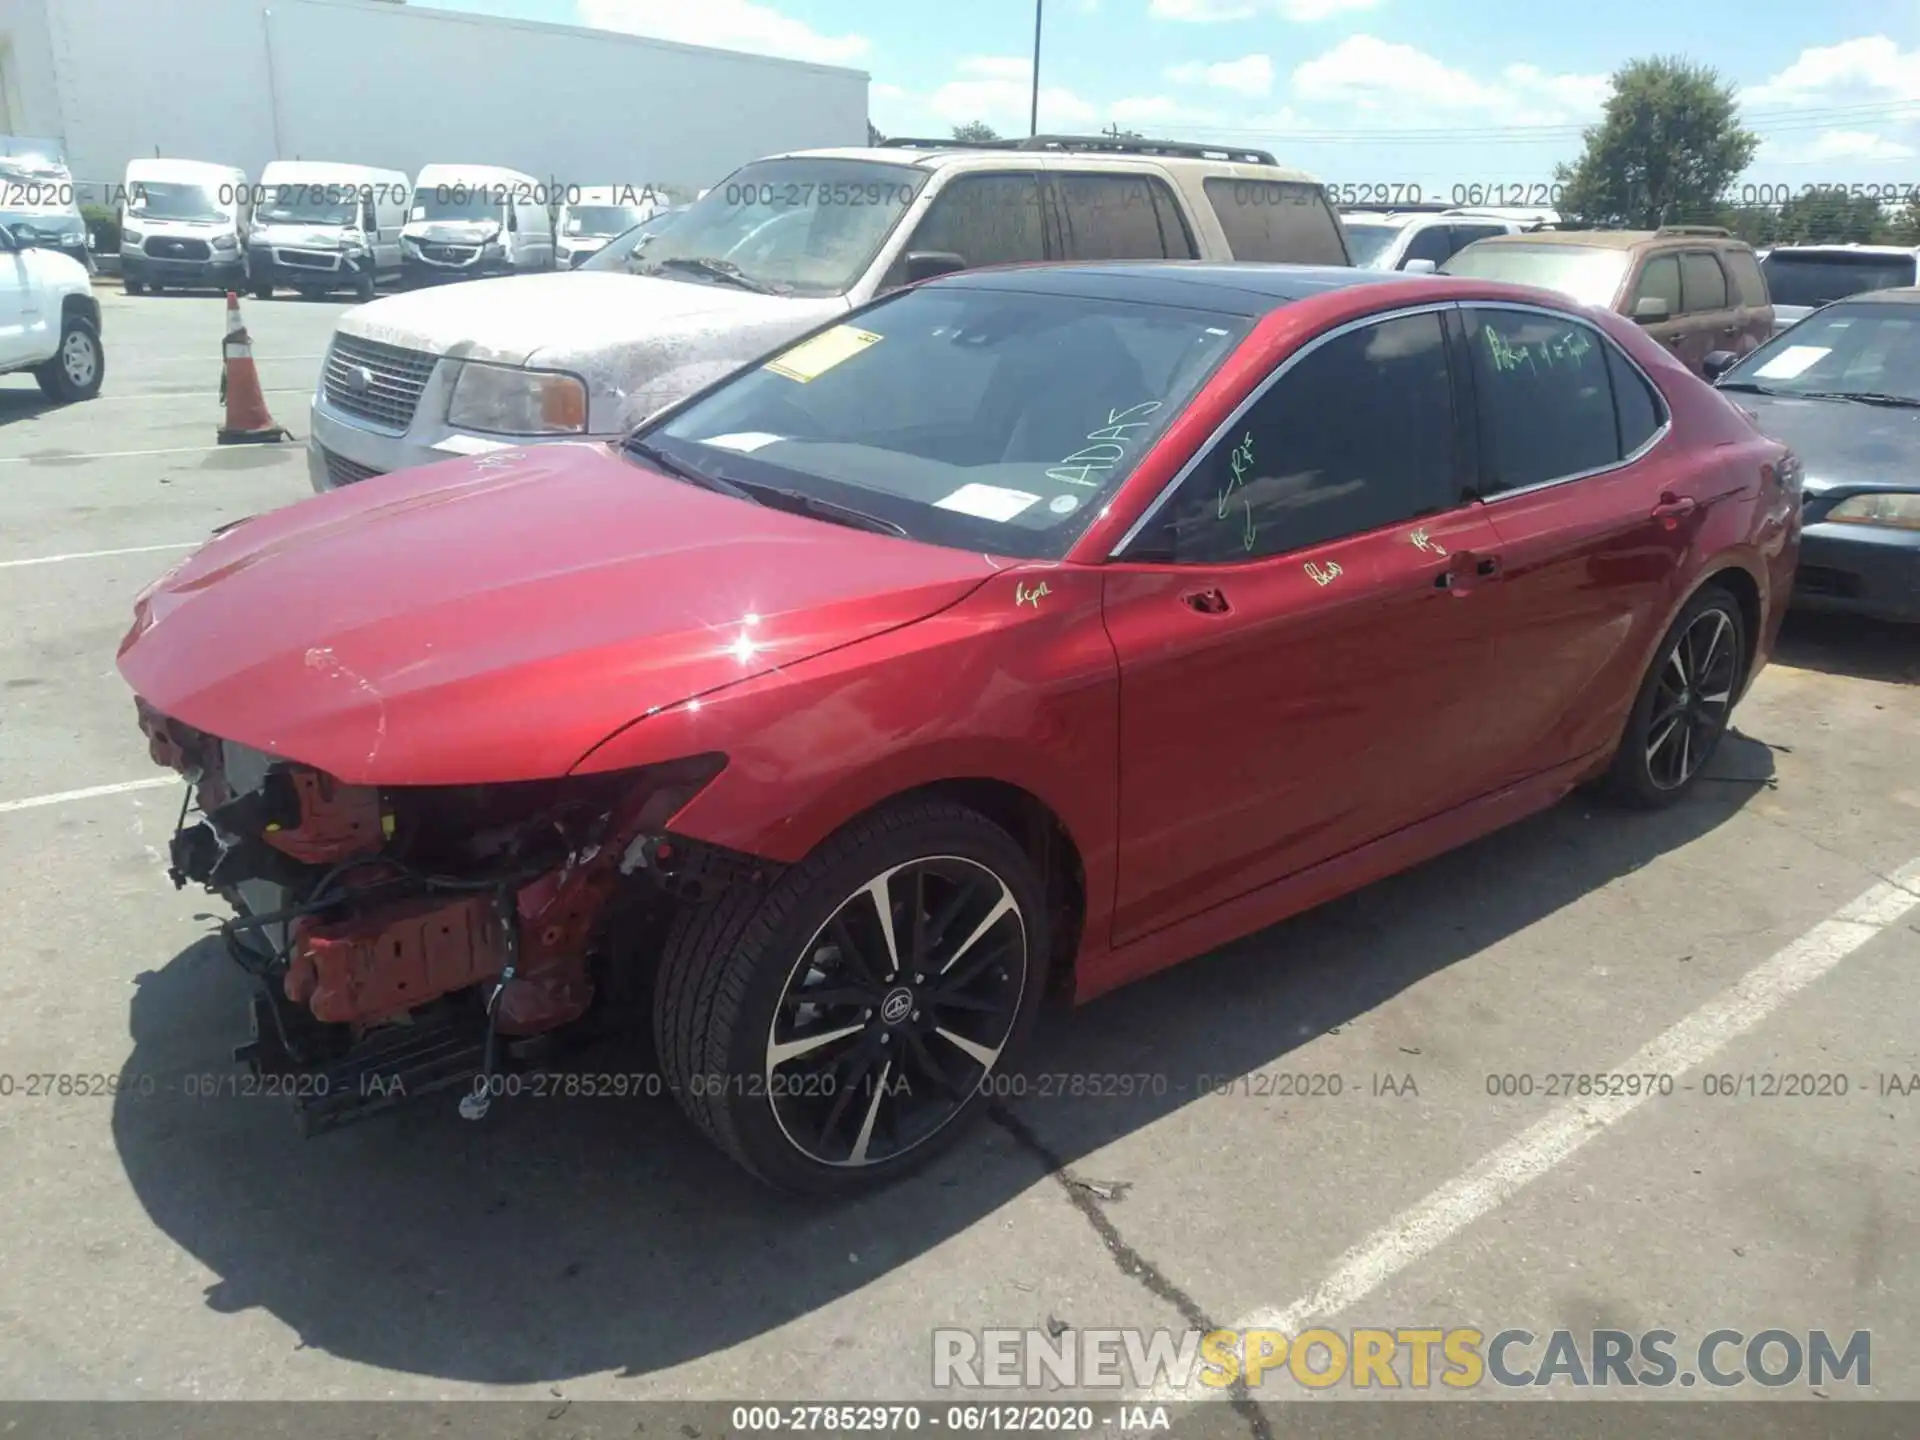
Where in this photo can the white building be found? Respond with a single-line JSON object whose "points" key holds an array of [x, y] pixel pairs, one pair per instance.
{"points": [[385, 83]]}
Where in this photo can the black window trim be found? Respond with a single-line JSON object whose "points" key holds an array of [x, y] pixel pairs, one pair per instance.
{"points": [[1254, 396], [1258, 393], [1660, 433]]}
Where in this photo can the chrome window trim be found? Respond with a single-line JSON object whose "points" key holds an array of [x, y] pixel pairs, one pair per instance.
{"points": [[1661, 432], [1254, 396]]}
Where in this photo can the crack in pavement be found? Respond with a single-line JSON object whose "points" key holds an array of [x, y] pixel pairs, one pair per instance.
{"points": [[1130, 1261]]}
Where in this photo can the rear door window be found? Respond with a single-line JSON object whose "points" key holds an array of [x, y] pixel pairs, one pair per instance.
{"points": [[1703, 284], [1287, 221], [1545, 397], [1107, 216]]}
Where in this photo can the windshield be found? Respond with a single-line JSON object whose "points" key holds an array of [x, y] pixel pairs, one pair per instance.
{"points": [[33, 185], [800, 226], [1812, 278], [1586, 273], [296, 204], [1865, 349], [984, 419], [1367, 243], [617, 253], [164, 200], [597, 220], [458, 202]]}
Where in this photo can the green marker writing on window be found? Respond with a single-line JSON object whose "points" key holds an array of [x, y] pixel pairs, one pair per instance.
{"points": [[1240, 466]]}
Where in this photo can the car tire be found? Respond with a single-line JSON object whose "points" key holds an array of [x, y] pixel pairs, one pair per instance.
{"points": [[132, 287], [363, 289], [830, 1116], [312, 292], [1685, 703], [262, 291], [78, 367]]}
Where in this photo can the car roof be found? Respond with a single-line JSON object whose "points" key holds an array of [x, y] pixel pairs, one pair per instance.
{"points": [[1896, 295], [1620, 239], [1242, 288], [1848, 248], [989, 157]]}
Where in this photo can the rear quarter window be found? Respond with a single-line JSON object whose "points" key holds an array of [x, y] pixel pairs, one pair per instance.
{"points": [[1748, 284], [1283, 221]]}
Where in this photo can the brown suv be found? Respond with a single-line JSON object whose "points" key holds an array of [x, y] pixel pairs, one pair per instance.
{"points": [[1695, 288]]}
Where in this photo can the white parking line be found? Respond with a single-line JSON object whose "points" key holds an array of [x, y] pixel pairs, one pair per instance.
{"points": [[98, 554], [64, 459], [34, 802], [1477, 1192]]}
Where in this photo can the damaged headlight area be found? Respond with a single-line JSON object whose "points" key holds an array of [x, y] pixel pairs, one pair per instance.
{"points": [[411, 939]]}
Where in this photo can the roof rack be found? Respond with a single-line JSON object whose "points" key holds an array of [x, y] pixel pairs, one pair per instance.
{"points": [[1095, 144], [1719, 230]]}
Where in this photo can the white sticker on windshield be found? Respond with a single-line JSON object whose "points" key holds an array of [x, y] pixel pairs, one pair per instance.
{"points": [[745, 441], [1064, 504], [1791, 361], [988, 502]]}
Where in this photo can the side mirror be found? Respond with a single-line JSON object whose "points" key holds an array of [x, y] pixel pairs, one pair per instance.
{"points": [[1419, 267], [1718, 362], [1651, 310], [927, 264]]}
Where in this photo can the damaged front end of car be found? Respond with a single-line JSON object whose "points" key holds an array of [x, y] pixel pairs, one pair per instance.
{"points": [[405, 941]]}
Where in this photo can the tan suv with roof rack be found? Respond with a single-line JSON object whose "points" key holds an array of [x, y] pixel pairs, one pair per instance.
{"points": [[1695, 288]]}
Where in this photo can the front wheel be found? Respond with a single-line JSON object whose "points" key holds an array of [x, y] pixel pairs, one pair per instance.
{"points": [[840, 1028], [131, 287], [78, 367], [262, 290], [1684, 704]]}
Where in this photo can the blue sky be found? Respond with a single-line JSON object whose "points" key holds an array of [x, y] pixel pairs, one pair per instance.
{"points": [[1433, 93]]}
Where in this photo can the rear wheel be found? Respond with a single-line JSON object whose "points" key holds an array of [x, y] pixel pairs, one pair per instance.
{"points": [[262, 290], [1684, 705], [132, 287], [78, 367], [837, 1030], [363, 288]]}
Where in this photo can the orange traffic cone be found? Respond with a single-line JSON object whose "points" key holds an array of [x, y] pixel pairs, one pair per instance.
{"points": [[248, 421]]}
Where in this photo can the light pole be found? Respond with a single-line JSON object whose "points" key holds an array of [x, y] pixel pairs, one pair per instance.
{"points": [[1033, 119]]}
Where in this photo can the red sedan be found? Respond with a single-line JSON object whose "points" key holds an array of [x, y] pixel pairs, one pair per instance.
{"points": [[1025, 631]]}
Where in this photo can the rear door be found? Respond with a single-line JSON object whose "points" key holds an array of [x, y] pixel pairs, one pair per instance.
{"points": [[1752, 307], [1302, 628], [1594, 518]]}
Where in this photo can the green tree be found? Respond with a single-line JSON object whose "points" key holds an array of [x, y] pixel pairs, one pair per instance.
{"points": [[1668, 145], [976, 132], [1828, 218]]}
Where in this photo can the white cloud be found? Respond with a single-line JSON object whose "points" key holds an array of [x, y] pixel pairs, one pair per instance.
{"points": [[1857, 145], [1383, 79], [1249, 75], [1869, 70], [728, 24], [1212, 12], [998, 90]]}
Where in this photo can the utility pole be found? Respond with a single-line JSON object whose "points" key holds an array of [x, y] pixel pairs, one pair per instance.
{"points": [[1033, 119]]}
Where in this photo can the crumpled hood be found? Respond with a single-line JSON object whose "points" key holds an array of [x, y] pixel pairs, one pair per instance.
{"points": [[639, 341], [495, 618], [308, 237], [1841, 443], [451, 232]]}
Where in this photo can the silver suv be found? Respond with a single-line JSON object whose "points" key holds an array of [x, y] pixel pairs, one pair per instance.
{"points": [[1420, 241], [777, 248]]}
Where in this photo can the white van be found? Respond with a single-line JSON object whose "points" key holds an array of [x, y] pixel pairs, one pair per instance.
{"points": [[469, 220], [183, 223], [38, 206], [319, 226], [590, 216]]}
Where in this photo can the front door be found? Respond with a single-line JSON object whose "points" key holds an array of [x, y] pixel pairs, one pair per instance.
{"points": [[22, 327], [1301, 629], [1594, 517]]}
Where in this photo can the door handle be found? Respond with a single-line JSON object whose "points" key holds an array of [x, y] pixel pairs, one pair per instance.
{"points": [[1672, 509], [1459, 565], [1207, 602]]}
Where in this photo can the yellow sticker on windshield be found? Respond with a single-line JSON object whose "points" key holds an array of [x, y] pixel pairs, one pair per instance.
{"points": [[813, 358]]}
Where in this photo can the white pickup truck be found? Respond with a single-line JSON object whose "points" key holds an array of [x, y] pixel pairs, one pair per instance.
{"points": [[49, 320]]}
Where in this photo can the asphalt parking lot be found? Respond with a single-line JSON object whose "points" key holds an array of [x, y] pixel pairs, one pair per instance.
{"points": [[183, 1247]]}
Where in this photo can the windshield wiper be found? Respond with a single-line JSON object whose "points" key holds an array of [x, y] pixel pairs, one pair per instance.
{"points": [[724, 271], [1746, 385], [773, 497], [680, 470], [1865, 397]]}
